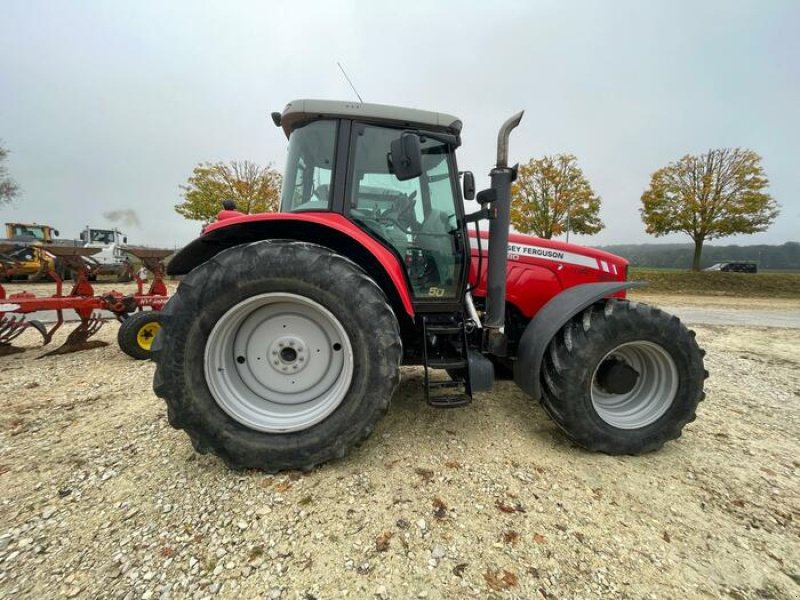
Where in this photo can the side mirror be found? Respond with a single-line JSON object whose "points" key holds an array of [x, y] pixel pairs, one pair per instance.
{"points": [[55, 233], [469, 185], [125, 240], [405, 158], [83, 236]]}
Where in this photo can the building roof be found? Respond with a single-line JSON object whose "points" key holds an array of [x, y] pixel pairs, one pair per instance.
{"points": [[302, 111]]}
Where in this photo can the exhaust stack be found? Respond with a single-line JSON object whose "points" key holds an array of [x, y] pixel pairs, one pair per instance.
{"points": [[501, 176]]}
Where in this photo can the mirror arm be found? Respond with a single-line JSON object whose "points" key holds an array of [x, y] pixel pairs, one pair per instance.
{"points": [[484, 213]]}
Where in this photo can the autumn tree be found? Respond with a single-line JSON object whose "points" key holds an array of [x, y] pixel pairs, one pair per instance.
{"points": [[710, 196], [254, 188], [8, 187], [551, 196]]}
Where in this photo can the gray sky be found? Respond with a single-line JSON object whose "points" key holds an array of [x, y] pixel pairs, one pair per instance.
{"points": [[109, 105]]}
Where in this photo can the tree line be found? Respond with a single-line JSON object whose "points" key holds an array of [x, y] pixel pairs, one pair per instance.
{"points": [[709, 196], [679, 256]]}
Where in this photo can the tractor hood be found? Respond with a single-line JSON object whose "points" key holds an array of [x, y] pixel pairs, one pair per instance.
{"points": [[532, 249]]}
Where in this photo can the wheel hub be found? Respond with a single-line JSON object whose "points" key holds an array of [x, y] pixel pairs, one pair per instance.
{"points": [[616, 376], [288, 354]]}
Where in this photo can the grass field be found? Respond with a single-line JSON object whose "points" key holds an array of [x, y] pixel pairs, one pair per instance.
{"points": [[715, 283]]}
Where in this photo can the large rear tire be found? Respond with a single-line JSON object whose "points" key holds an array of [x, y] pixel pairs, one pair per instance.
{"points": [[277, 355], [623, 378]]}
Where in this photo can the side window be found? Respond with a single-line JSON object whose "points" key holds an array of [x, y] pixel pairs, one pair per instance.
{"points": [[441, 185], [416, 217], [309, 167]]}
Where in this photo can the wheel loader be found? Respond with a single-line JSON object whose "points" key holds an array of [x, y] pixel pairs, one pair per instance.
{"points": [[28, 257], [283, 345]]}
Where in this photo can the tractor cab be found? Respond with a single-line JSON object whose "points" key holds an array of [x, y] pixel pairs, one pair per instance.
{"points": [[391, 171]]}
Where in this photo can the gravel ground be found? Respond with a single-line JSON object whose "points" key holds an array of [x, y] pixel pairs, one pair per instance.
{"points": [[100, 498]]}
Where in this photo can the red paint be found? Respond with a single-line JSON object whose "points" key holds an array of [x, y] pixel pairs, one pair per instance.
{"points": [[533, 280], [339, 223], [228, 214]]}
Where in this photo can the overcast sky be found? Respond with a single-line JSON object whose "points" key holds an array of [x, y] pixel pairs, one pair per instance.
{"points": [[109, 105]]}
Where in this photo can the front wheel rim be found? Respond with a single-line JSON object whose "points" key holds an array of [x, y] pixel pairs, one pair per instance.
{"points": [[652, 394], [278, 362]]}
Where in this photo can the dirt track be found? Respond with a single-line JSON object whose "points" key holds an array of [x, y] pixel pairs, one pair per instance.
{"points": [[101, 498]]}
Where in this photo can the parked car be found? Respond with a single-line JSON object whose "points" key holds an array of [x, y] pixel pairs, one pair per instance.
{"points": [[734, 267]]}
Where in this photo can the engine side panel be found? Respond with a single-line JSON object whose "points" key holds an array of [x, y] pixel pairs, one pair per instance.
{"points": [[539, 269]]}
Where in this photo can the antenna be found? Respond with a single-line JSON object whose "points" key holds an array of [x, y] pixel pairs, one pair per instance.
{"points": [[350, 82]]}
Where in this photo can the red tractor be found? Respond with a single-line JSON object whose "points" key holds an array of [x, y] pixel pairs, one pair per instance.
{"points": [[282, 347]]}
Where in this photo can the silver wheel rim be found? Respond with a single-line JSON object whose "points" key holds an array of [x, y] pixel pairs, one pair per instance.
{"points": [[652, 394], [278, 362]]}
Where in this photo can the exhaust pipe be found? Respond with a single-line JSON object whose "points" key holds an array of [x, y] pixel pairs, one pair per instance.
{"points": [[501, 176]]}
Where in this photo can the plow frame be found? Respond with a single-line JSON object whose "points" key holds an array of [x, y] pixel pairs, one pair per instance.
{"points": [[81, 298]]}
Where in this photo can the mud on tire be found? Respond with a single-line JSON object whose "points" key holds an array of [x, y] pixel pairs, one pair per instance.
{"points": [[623, 378], [213, 291]]}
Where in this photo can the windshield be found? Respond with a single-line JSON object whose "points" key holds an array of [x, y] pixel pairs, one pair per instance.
{"points": [[309, 167], [102, 236], [29, 231]]}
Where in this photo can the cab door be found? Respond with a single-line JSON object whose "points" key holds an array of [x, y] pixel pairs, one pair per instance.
{"points": [[418, 218]]}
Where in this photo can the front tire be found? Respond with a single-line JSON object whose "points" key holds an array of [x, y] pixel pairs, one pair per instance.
{"points": [[623, 378], [277, 355]]}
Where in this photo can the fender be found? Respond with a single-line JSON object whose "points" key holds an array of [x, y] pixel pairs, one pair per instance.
{"points": [[552, 317], [324, 228]]}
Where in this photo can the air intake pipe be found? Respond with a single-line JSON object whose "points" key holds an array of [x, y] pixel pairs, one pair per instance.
{"points": [[502, 177]]}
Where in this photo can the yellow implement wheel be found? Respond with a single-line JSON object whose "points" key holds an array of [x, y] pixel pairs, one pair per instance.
{"points": [[137, 332], [146, 334]]}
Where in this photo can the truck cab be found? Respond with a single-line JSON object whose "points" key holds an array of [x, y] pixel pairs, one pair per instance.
{"points": [[112, 259]]}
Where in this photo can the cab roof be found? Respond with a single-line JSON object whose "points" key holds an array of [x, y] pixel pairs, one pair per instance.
{"points": [[298, 112]]}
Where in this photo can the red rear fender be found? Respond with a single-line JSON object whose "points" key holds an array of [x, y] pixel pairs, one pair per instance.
{"points": [[324, 228]]}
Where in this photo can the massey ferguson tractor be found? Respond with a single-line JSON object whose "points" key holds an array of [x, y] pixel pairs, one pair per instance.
{"points": [[282, 347]]}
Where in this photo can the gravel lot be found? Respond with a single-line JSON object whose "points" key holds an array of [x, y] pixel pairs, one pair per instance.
{"points": [[100, 498]]}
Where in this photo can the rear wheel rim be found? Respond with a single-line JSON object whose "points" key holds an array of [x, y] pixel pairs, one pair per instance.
{"points": [[278, 362], [651, 396]]}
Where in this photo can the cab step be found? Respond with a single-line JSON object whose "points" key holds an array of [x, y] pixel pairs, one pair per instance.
{"points": [[446, 363], [445, 347], [444, 329], [450, 401]]}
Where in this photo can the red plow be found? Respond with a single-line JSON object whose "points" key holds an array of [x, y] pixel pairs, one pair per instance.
{"points": [[81, 299]]}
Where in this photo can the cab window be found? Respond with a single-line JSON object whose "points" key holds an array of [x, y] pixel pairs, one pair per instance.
{"points": [[309, 167]]}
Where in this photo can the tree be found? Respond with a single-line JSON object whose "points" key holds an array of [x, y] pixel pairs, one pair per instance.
{"points": [[8, 187], [254, 189], [551, 196], [710, 196]]}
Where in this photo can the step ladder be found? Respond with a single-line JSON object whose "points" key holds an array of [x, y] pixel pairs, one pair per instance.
{"points": [[445, 346]]}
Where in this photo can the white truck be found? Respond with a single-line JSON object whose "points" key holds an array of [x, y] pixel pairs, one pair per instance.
{"points": [[112, 259]]}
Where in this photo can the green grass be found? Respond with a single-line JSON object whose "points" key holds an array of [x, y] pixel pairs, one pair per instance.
{"points": [[715, 283]]}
